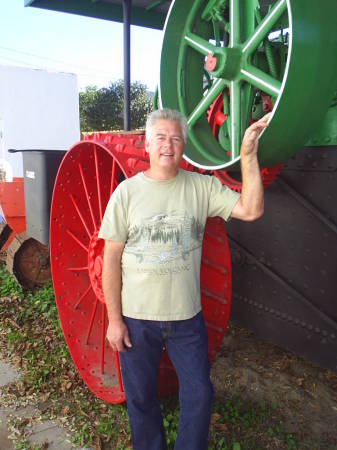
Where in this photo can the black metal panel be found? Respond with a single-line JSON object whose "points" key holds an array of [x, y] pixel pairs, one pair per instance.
{"points": [[284, 264], [40, 168]]}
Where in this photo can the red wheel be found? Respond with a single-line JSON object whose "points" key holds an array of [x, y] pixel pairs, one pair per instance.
{"points": [[86, 178], [216, 117]]}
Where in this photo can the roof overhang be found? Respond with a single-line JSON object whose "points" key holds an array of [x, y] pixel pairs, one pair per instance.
{"points": [[145, 13]]}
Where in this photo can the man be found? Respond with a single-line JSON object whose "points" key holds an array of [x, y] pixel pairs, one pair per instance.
{"points": [[153, 228]]}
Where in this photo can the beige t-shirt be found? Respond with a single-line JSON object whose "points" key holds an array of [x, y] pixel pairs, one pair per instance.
{"points": [[162, 224]]}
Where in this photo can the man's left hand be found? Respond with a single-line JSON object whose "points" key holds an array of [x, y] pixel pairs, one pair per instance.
{"points": [[250, 139]]}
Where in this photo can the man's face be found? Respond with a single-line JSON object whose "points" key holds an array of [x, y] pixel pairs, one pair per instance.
{"points": [[165, 145]]}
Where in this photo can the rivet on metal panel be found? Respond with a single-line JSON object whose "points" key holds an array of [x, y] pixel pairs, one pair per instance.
{"points": [[332, 335], [317, 330]]}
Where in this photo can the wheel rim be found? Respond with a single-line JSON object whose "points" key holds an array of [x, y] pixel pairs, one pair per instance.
{"points": [[241, 68]]}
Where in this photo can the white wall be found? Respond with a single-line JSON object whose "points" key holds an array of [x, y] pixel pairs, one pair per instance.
{"points": [[38, 110]]}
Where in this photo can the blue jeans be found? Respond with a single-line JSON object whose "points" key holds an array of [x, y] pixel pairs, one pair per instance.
{"points": [[186, 344]]}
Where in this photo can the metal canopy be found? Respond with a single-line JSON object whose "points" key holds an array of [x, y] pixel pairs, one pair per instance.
{"points": [[145, 13]]}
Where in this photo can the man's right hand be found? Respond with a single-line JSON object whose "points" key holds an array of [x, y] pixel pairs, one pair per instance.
{"points": [[118, 336]]}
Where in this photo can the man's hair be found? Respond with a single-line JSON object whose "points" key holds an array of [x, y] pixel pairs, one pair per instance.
{"points": [[166, 114]]}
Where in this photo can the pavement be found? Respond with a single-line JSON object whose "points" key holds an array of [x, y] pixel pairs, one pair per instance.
{"points": [[48, 432]]}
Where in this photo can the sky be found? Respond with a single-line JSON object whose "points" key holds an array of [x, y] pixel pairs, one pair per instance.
{"points": [[91, 48]]}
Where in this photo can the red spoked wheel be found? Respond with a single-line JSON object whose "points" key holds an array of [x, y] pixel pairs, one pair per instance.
{"points": [[216, 118], [87, 176]]}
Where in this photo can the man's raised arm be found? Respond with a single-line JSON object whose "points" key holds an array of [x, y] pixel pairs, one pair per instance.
{"points": [[251, 203]]}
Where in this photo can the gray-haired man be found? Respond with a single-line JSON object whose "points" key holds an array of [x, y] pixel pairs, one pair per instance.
{"points": [[153, 229]]}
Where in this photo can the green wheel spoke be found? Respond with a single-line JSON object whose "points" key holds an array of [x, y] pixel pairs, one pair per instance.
{"points": [[235, 119], [201, 108], [199, 44], [265, 26], [234, 19], [247, 95], [261, 80]]}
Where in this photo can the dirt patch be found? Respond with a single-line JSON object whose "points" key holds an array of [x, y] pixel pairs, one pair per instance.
{"points": [[305, 394]]}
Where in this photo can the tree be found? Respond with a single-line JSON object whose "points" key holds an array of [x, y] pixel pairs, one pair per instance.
{"points": [[102, 109]]}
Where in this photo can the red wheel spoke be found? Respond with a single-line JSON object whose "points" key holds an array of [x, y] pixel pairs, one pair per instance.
{"points": [[103, 338], [118, 369], [80, 215], [113, 174], [83, 296], [76, 269], [87, 196], [98, 186], [91, 320], [77, 240]]}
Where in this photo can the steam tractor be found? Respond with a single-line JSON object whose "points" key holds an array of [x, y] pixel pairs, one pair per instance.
{"points": [[224, 64]]}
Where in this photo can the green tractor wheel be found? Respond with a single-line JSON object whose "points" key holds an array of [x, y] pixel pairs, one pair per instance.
{"points": [[247, 50]]}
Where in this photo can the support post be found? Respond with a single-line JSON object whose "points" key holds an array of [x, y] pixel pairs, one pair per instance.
{"points": [[127, 58]]}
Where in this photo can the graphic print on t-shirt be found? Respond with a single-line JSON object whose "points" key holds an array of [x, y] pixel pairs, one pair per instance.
{"points": [[164, 238]]}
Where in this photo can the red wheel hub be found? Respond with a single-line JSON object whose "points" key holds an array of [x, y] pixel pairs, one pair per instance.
{"points": [[211, 62], [95, 265]]}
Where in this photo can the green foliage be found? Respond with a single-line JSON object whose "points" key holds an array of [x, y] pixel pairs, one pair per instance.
{"points": [[8, 284], [170, 412], [102, 109]]}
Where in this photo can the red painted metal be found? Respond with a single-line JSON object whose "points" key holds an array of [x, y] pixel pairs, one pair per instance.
{"points": [[210, 63], [216, 118], [87, 175], [12, 201]]}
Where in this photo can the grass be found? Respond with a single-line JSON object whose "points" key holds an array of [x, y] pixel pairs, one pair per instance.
{"points": [[29, 322]]}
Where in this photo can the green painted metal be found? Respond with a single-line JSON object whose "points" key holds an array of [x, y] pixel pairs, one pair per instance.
{"points": [[295, 73], [326, 134], [146, 16]]}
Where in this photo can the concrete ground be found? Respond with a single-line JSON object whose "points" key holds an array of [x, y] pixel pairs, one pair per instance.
{"points": [[48, 432]]}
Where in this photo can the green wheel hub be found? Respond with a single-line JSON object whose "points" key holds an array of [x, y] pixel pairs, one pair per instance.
{"points": [[285, 50]]}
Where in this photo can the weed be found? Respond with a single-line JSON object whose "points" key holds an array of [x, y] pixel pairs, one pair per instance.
{"points": [[8, 285]]}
